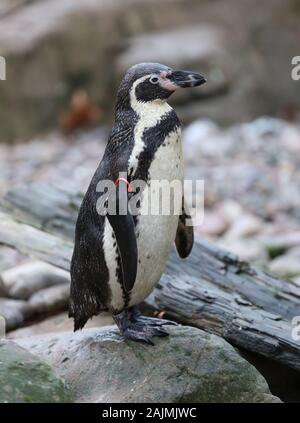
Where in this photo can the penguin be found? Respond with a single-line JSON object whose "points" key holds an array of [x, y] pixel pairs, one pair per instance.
{"points": [[119, 257]]}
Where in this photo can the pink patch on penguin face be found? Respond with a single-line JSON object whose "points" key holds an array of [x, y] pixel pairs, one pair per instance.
{"points": [[164, 74], [165, 82]]}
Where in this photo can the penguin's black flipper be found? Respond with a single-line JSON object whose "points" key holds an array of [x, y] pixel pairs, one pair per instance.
{"points": [[124, 230], [184, 239]]}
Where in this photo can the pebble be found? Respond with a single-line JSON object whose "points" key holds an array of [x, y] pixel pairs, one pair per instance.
{"points": [[244, 227], [213, 224], [231, 210], [285, 266], [195, 136], [283, 241], [249, 250], [296, 280]]}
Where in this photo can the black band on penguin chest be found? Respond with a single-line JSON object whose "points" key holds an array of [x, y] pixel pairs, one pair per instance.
{"points": [[153, 138]]}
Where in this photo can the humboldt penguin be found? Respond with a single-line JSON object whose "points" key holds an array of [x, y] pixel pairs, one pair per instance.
{"points": [[119, 256]]}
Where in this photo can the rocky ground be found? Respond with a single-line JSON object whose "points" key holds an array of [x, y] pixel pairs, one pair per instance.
{"points": [[252, 179], [189, 366], [250, 172], [27, 379], [251, 176]]}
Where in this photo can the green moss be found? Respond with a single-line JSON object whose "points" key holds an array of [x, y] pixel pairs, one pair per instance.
{"points": [[276, 250], [25, 378]]}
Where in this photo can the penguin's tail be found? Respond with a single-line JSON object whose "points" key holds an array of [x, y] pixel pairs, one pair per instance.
{"points": [[77, 314], [85, 291], [79, 324], [82, 311]]}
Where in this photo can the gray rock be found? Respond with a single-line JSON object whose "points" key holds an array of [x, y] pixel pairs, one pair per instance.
{"points": [[8, 256], [231, 210], [297, 280], [286, 266], [213, 224], [244, 227], [261, 173], [59, 323], [24, 280], [295, 251], [50, 300], [280, 243], [181, 48], [15, 312], [26, 379], [8, 6], [49, 79], [198, 139], [188, 366], [238, 63], [250, 250], [3, 291]]}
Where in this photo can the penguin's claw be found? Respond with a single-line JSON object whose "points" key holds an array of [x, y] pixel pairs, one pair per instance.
{"points": [[133, 325], [143, 333], [152, 321], [137, 316], [138, 336]]}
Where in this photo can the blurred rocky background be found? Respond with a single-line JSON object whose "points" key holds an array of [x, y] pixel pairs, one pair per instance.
{"points": [[241, 135], [54, 48]]}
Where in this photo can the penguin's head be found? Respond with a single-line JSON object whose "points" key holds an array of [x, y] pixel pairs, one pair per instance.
{"points": [[147, 82]]}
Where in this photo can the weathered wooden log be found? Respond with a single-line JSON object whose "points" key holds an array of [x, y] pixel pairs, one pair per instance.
{"points": [[212, 289]]}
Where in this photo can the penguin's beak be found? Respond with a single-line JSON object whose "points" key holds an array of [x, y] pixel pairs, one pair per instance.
{"points": [[185, 79]]}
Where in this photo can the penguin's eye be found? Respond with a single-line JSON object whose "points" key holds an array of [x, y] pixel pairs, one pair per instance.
{"points": [[154, 79]]}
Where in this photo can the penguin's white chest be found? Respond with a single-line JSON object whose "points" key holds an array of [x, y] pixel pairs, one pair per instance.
{"points": [[155, 232], [156, 229]]}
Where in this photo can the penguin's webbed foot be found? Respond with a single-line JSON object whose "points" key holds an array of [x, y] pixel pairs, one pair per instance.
{"points": [[133, 325], [143, 333]]}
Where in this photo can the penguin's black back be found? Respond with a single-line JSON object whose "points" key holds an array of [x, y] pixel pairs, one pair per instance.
{"points": [[89, 274]]}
